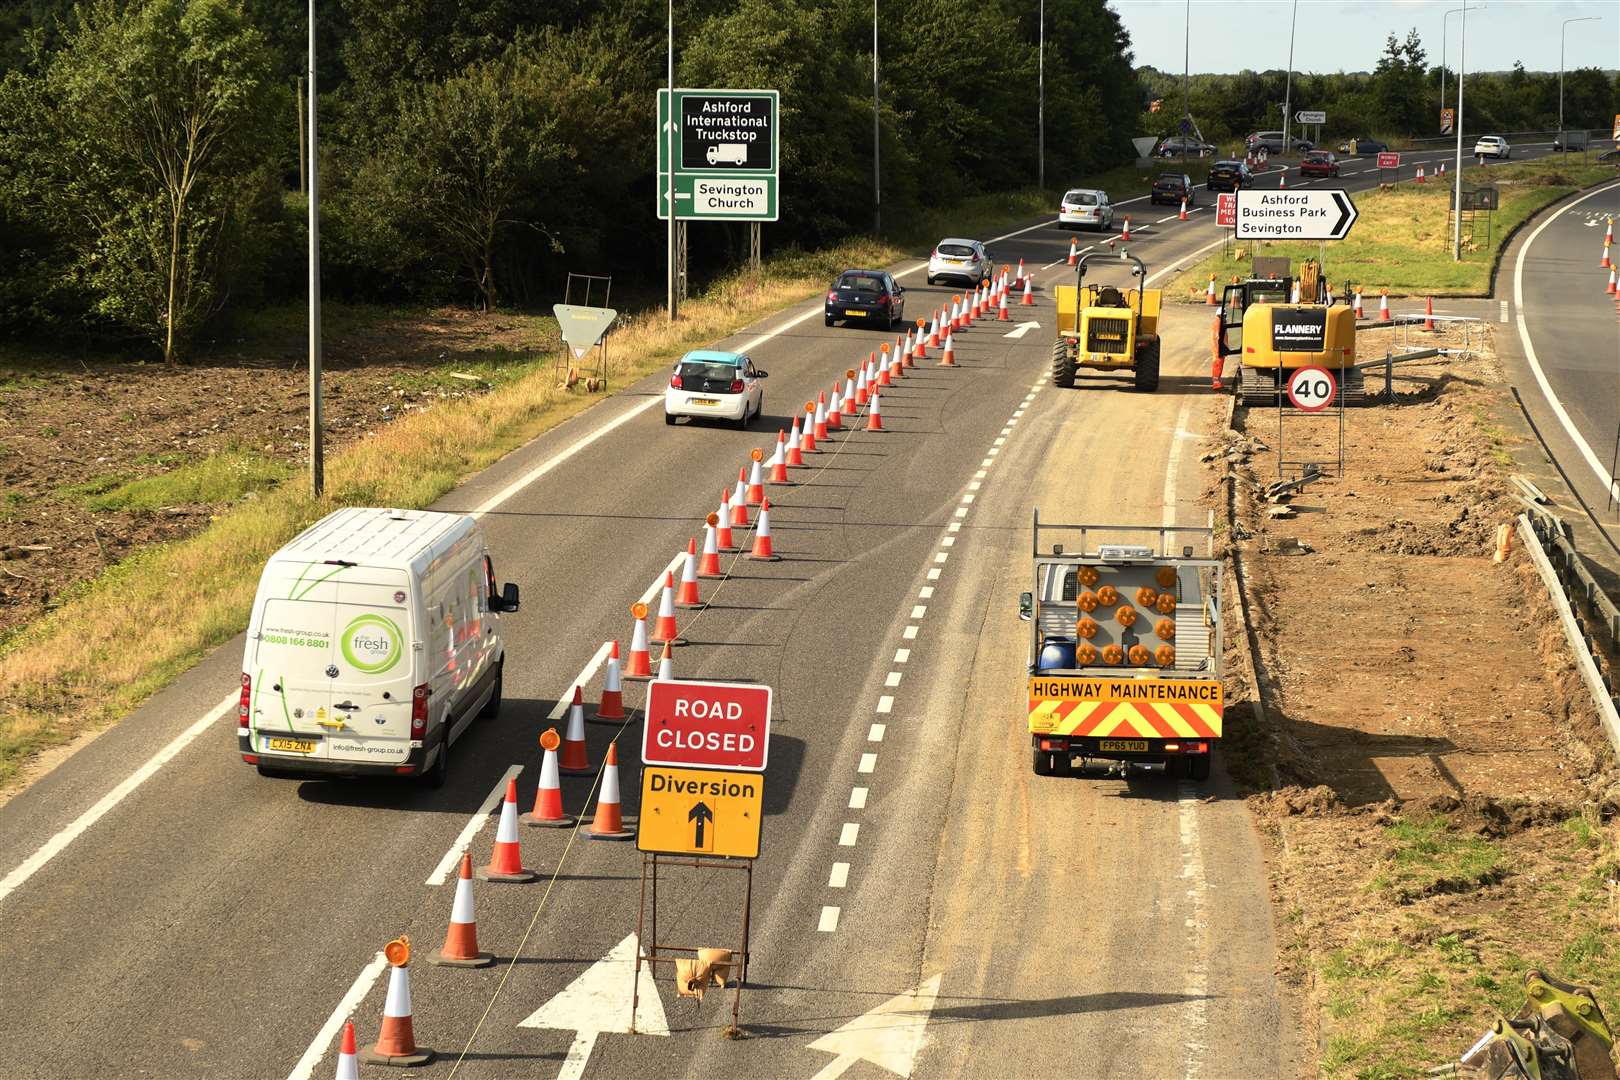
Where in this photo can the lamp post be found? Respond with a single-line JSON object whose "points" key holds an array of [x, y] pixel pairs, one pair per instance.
{"points": [[1456, 191], [1040, 107], [317, 456], [1583, 18], [669, 144], [877, 182], [1288, 88], [1186, 67]]}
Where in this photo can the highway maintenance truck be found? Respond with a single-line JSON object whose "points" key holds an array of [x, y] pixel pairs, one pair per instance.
{"points": [[1125, 648], [1107, 329]]}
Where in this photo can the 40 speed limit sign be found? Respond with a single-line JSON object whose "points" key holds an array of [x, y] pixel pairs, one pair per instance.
{"points": [[1312, 389]]}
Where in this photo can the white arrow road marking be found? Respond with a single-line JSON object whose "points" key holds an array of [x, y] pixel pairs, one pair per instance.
{"points": [[890, 1036], [599, 1001], [1022, 329]]}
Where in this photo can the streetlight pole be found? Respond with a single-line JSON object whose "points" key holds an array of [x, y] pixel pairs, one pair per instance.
{"points": [[1040, 108], [1443, 25], [1456, 192], [669, 144], [1186, 67], [317, 455], [1583, 18], [1288, 89], [877, 182]]}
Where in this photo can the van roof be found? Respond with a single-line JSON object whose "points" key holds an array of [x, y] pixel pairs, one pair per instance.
{"points": [[398, 539]]}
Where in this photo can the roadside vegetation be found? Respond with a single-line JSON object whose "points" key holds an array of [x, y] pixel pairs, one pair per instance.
{"points": [[1402, 240]]}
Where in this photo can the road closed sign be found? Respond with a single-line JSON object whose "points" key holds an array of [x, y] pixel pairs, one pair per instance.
{"points": [[1226, 209], [1312, 389], [707, 725]]}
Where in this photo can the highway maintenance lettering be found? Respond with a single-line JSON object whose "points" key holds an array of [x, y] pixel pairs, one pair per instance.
{"points": [[1202, 691], [719, 789]]}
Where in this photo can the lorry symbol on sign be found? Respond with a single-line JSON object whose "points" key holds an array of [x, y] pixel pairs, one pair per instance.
{"points": [[731, 153]]}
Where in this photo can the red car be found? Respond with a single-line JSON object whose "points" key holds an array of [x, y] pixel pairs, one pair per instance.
{"points": [[1319, 163]]}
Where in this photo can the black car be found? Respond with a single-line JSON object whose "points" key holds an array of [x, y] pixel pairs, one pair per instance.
{"points": [[866, 296], [1176, 145], [1172, 187], [1363, 147], [1228, 176]]}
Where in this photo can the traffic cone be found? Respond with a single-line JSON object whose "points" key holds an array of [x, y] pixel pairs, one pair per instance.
{"points": [[1359, 313], [1604, 263], [506, 861], [461, 941], [807, 437], [762, 535], [1282, 177], [795, 451], [821, 415], [574, 760], [1028, 300], [722, 531], [1608, 231], [756, 482], [611, 709], [848, 397], [664, 629], [1125, 233], [1209, 294], [666, 666], [739, 498], [1001, 307], [1610, 289], [933, 333], [919, 350], [1183, 215], [348, 1065], [779, 466], [687, 595], [874, 417], [1383, 305], [1428, 310], [609, 823], [885, 377], [640, 659], [709, 564], [954, 322], [897, 370], [1020, 276], [396, 1042], [548, 808], [1074, 251], [1442, 168], [860, 382], [948, 357], [1419, 177], [835, 409], [1215, 357]]}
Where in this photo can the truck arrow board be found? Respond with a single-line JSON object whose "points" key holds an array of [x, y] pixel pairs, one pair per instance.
{"points": [[1320, 214], [700, 812], [708, 725]]}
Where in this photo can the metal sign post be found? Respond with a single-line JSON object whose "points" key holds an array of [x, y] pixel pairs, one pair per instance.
{"points": [[1309, 390]]}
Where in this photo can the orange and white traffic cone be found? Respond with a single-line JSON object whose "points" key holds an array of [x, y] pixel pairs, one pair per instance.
{"points": [[1028, 300], [609, 822], [874, 415], [1215, 356], [948, 357], [722, 533], [847, 398], [1610, 289], [795, 449], [506, 861], [1359, 313], [1383, 305], [666, 666], [548, 807], [396, 1042], [1074, 251], [821, 416], [739, 498], [835, 409], [954, 320], [611, 708], [807, 435], [884, 371], [933, 333], [664, 629], [1428, 311], [461, 940], [640, 666], [1209, 293], [762, 536], [919, 350], [779, 473], [575, 761], [1001, 307], [1125, 233], [755, 492], [1282, 177], [687, 595], [860, 381], [1608, 231], [897, 370], [1183, 215], [709, 564], [1604, 263], [348, 1065]]}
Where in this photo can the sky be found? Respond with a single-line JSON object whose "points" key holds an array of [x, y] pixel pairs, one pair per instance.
{"points": [[1342, 35]]}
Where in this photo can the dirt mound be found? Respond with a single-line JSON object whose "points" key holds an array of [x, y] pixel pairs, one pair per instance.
{"points": [[1296, 801]]}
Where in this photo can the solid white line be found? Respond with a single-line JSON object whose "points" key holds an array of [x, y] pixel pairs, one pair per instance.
{"points": [[1020, 232], [849, 834], [829, 920], [877, 732], [902, 655], [867, 764], [564, 454], [885, 704], [441, 873], [1177, 265], [1592, 460], [1172, 468], [53, 847], [1197, 986], [334, 1023], [839, 877], [559, 710]]}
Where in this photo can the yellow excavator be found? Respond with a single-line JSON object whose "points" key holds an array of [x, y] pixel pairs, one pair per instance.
{"points": [[1272, 337], [1559, 1034]]}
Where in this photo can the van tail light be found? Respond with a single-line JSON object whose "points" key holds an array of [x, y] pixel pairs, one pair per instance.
{"points": [[736, 386], [675, 382], [419, 708], [245, 705], [832, 296]]}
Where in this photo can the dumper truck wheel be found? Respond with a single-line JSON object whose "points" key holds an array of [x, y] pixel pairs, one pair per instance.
{"points": [[1147, 367], [1063, 365]]}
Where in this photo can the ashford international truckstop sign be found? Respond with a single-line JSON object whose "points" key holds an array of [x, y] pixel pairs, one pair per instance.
{"points": [[727, 154]]}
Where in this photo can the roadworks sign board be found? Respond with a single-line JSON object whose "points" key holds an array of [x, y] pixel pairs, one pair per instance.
{"points": [[582, 327], [1388, 160], [707, 724], [700, 812], [1148, 708], [727, 153], [1226, 209], [1319, 214]]}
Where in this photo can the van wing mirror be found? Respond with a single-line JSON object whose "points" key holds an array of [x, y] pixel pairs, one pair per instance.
{"points": [[1026, 606], [509, 597], [760, 373]]}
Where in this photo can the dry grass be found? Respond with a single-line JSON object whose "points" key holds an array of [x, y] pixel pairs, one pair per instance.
{"points": [[122, 637]]}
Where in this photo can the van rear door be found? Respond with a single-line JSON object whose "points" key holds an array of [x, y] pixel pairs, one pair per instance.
{"points": [[376, 665], [292, 693]]}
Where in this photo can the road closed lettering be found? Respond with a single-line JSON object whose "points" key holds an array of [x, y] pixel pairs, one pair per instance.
{"points": [[709, 725]]}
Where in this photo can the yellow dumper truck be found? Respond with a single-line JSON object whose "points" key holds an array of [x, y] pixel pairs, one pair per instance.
{"points": [[1106, 328], [1125, 649]]}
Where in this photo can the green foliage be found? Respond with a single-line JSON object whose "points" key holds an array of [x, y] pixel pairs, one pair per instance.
{"points": [[218, 478]]}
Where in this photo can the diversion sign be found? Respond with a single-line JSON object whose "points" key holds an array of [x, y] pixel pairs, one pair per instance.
{"points": [[1318, 214]]}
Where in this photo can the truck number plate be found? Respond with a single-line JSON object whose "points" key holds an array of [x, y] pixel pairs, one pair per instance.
{"points": [[1137, 745]]}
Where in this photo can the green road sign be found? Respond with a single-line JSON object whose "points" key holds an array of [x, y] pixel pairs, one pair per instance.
{"points": [[727, 154]]}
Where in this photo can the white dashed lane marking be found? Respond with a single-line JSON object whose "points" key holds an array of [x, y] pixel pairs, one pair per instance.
{"points": [[829, 920], [849, 834], [885, 704], [868, 763], [839, 876], [876, 733]]}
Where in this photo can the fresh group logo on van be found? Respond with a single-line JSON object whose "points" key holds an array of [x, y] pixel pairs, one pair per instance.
{"points": [[372, 644]]}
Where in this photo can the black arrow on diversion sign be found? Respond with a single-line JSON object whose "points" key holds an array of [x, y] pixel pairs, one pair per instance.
{"points": [[700, 814], [1347, 215]]}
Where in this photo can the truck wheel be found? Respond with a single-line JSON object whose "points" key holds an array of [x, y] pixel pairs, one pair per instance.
{"points": [[492, 707], [1063, 365], [1045, 764], [1147, 367], [1197, 766]]}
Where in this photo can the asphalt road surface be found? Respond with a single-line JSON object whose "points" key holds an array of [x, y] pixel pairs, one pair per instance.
{"points": [[923, 903]]}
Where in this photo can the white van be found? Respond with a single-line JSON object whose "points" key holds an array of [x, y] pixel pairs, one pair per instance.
{"points": [[375, 640]]}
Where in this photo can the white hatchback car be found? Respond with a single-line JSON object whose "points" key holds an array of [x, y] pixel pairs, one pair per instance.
{"points": [[959, 259], [1493, 146], [1086, 207], [709, 383]]}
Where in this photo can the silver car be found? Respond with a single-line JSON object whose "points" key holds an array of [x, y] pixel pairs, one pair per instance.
{"points": [[960, 260], [1086, 208]]}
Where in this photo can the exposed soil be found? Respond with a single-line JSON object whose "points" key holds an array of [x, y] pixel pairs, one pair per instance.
{"points": [[1413, 683], [66, 423]]}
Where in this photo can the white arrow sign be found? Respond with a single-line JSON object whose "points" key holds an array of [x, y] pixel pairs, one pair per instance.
{"points": [[1319, 214], [598, 1001], [1021, 329], [890, 1036]]}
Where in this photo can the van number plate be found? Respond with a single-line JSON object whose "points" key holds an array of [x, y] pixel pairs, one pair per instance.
{"points": [[1138, 745], [291, 746]]}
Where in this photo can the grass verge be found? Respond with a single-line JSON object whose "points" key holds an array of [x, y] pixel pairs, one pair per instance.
{"points": [[1402, 240]]}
